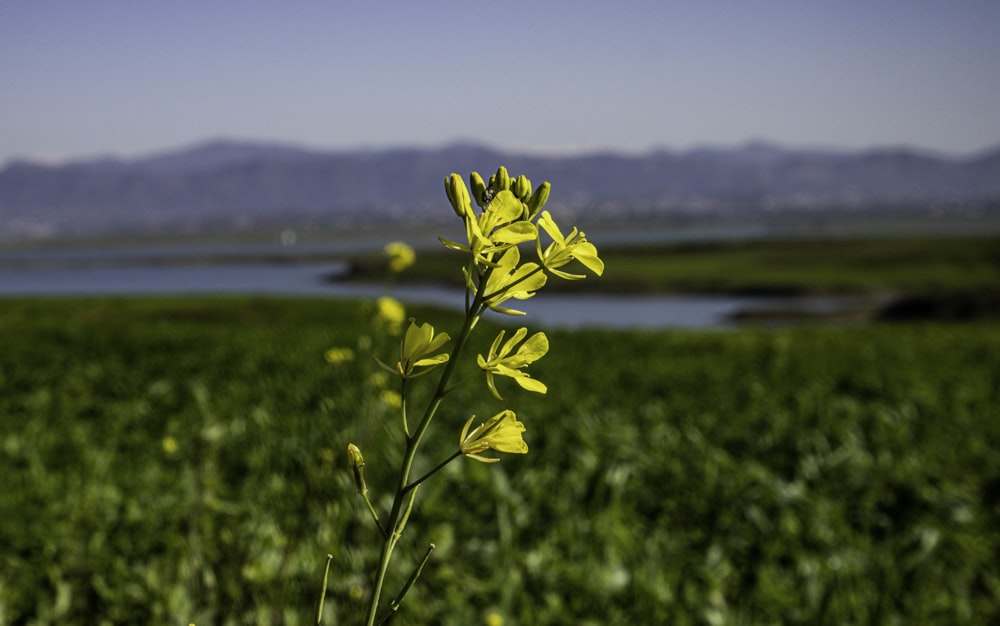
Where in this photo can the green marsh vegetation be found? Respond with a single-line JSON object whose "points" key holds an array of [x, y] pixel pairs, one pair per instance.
{"points": [[173, 461]]}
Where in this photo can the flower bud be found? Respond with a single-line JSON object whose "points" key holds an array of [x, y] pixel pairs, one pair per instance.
{"points": [[458, 195], [538, 199], [478, 189], [356, 462], [501, 180], [521, 188]]}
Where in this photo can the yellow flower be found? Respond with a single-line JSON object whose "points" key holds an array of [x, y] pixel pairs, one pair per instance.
{"points": [[507, 281], [500, 226], [378, 379], [391, 312], [501, 362], [418, 343], [401, 256], [392, 398], [562, 250], [502, 433], [169, 445], [338, 355]]}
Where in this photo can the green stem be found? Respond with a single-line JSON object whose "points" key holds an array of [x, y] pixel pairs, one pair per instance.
{"points": [[398, 600], [388, 545], [412, 444], [437, 467], [371, 509], [402, 409], [322, 597]]}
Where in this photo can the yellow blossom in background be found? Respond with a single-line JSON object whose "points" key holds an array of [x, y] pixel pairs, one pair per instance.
{"points": [[378, 379], [390, 312], [169, 445], [562, 250], [494, 619], [502, 433], [401, 256], [392, 398], [501, 362], [338, 355]]}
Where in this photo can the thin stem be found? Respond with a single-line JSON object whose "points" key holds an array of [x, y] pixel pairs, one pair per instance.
{"points": [[402, 408], [468, 292], [383, 566], [371, 509], [398, 600], [437, 467], [388, 545], [322, 596]]}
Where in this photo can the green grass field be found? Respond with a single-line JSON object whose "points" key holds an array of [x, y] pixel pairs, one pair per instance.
{"points": [[171, 461]]}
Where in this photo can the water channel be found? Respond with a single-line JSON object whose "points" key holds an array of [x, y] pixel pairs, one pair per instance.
{"points": [[59, 273]]}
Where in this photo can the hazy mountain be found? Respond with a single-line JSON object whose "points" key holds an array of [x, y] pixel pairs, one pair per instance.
{"points": [[226, 184]]}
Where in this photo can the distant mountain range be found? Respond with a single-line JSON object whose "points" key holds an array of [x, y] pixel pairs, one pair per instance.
{"points": [[244, 185]]}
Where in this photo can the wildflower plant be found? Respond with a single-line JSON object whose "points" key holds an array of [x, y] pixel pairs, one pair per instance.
{"points": [[508, 213]]}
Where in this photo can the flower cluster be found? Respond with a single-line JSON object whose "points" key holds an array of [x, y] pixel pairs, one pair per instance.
{"points": [[511, 214]]}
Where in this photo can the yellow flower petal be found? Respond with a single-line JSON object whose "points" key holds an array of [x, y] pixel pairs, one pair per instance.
{"points": [[564, 249], [507, 281], [501, 362], [586, 253], [419, 344], [501, 433]]}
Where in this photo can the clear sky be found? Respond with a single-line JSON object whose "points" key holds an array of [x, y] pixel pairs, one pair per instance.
{"points": [[83, 78]]}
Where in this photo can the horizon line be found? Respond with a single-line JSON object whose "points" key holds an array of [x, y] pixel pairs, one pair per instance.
{"points": [[539, 150]]}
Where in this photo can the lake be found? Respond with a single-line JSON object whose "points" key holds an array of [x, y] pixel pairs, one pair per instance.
{"points": [[61, 273]]}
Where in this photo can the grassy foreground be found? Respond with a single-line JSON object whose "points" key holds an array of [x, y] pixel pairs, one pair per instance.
{"points": [[174, 461]]}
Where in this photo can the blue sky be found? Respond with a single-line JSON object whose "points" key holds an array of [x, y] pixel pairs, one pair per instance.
{"points": [[125, 77]]}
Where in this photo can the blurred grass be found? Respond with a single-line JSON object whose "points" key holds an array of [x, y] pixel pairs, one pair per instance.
{"points": [[813, 475]]}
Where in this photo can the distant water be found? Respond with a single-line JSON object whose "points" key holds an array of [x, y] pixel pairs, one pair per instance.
{"points": [[249, 278], [553, 310], [237, 270]]}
